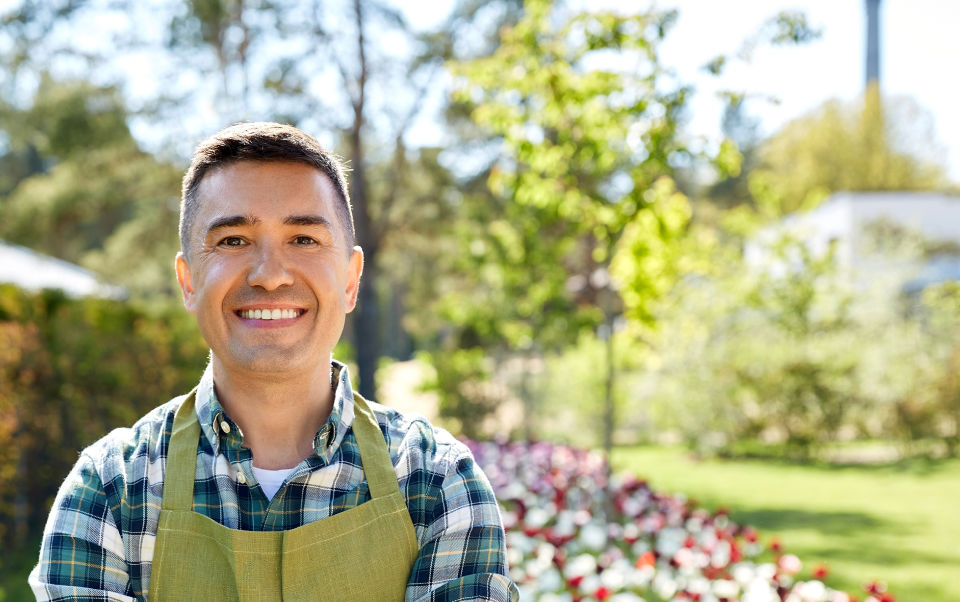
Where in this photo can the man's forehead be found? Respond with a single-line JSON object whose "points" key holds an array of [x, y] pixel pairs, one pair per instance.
{"points": [[253, 192], [246, 173], [245, 188]]}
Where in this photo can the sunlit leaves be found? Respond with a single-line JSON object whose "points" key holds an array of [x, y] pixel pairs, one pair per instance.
{"points": [[586, 126], [872, 144]]}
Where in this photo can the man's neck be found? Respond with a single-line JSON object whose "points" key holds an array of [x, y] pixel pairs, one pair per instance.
{"points": [[278, 414]]}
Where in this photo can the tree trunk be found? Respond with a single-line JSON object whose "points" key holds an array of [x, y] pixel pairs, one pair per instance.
{"points": [[367, 323]]}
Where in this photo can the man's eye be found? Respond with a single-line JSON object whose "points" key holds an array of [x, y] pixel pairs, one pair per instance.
{"points": [[304, 241], [232, 241]]}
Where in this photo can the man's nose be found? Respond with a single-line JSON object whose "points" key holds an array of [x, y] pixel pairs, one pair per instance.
{"points": [[270, 270]]}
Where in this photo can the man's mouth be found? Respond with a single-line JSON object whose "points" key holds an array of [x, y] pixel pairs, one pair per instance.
{"points": [[270, 314]]}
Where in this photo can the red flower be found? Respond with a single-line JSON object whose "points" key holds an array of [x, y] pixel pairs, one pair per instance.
{"points": [[820, 571], [887, 597], [775, 545], [646, 559], [602, 593], [574, 582], [735, 554], [689, 542], [876, 587], [750, 534]]}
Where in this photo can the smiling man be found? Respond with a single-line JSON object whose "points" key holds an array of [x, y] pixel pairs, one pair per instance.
{"points": [[272, 479]]}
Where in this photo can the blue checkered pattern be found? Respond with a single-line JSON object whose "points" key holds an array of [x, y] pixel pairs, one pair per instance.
{"points": [[100, 536]]}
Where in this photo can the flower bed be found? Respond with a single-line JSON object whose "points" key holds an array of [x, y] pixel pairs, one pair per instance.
{"points": [[568, 541]]}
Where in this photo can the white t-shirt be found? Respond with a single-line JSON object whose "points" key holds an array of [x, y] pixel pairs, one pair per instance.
{"points": [[270, 480]]}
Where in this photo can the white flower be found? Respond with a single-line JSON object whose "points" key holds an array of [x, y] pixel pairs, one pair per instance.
{"points": [[721, 554], [626, 597], [593, 536], [725, 588], [519, 541], [664, 585], [743, 572], [790, 564], [759, 590], [533, 568], [669, 540], [565, 523], [514, 556], [683, 557], [536, 517], [812, 591], [766, 571], [579, 566], [545, 553], [633, 506], [590, 584], [699, 585], [640, 546], [615, 577], [550, 580], [564, 597], [640, 578]]}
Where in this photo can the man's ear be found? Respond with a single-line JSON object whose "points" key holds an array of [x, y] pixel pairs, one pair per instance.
{"points": [[183, 277], [354, 270]]}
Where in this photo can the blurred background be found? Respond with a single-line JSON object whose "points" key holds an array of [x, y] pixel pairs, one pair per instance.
{"points": [[718, 241]]}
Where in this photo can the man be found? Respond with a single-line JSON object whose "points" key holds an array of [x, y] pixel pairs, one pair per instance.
{"points": [[272, 479]]}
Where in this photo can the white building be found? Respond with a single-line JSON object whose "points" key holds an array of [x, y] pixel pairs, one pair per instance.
{"points": [[33, 271], [852, 221]]}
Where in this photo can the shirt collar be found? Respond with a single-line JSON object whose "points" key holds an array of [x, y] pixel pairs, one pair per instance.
{"points": [[220, 430]]}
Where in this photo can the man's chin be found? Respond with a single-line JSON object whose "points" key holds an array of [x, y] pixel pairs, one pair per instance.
{"points": [[268, 361]]}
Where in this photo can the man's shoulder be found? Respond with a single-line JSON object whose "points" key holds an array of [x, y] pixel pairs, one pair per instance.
{"points": [[147, 437], [410, 434]]}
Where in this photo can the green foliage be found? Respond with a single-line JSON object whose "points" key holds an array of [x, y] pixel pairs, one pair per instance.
{"points": [[71, 370], [581, 184], [794, 354], [468, 397], [98, 200], [873, 144]]}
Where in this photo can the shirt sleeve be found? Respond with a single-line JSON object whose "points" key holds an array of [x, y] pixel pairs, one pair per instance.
{"points": [[463, 556], [81, 556]]}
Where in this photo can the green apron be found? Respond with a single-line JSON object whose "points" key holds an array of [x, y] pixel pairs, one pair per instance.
{"points": [[364, 553]]}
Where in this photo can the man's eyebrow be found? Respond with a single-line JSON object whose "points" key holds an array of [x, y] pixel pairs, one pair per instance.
{"points": [[307, 220], [231, 221]]}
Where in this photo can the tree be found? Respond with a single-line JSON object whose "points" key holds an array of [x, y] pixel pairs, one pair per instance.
{"points": [[95, 197], [871, 144], [583, 147]]}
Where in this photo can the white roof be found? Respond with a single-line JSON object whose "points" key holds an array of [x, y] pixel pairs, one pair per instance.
{"points": [[33, 271], [933, 214]]}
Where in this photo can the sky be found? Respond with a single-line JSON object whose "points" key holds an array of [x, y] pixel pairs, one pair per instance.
{"points": [[920, 47]]}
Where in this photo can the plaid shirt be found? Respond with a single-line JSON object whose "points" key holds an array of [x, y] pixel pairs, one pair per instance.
{"points": [[99, 539]]}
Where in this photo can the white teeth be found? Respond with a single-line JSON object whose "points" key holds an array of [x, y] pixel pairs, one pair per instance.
{"points": [[269, 314]]}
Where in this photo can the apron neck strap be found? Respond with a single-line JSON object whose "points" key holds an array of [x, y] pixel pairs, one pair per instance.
{"points": [[377, 466], [181, 467], [182, 457]]}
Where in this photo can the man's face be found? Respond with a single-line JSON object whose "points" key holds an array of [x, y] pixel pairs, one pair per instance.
{"points": [[270, 274]]}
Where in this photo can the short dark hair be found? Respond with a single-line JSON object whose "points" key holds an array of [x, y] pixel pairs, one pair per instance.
{"points": [[260, 141]]}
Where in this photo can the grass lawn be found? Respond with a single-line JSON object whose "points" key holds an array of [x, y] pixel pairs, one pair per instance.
{"points": [[899, 523]]}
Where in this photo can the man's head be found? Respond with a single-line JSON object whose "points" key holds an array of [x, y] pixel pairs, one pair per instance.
{"points": [[261, 141], [268, 266]]}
